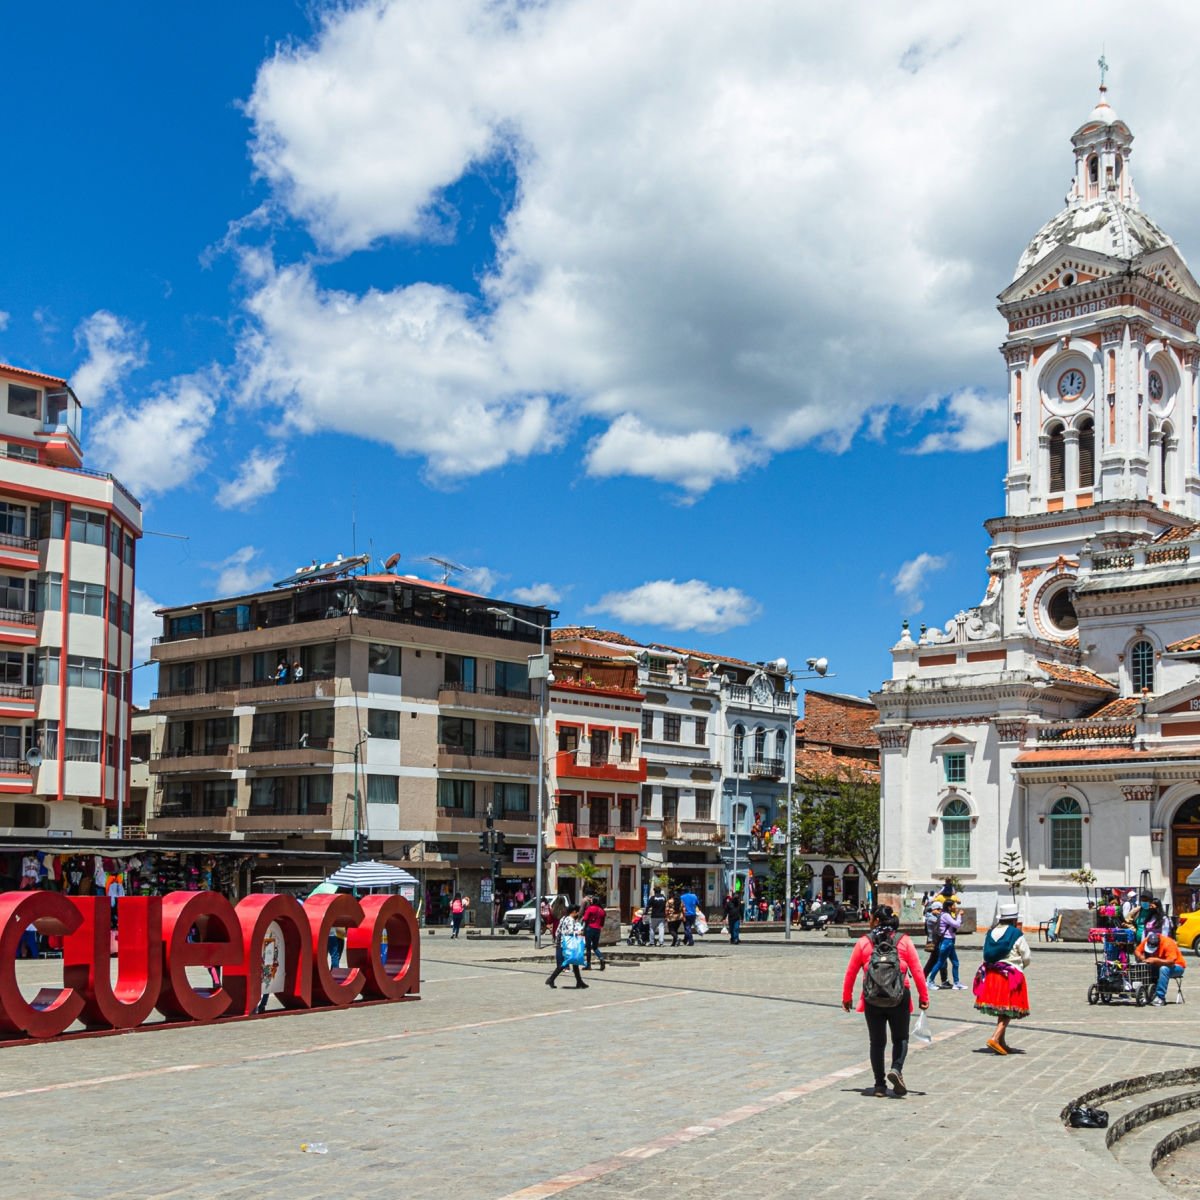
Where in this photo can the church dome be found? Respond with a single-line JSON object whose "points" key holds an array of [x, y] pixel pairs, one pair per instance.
{"points": [[1102, 215], [1105, 226]]}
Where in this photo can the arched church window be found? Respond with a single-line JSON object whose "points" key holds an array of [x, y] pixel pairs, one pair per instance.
{"points": [[956, 836], [1094, 169], [1165, 464], [1058, 460], [1066, 835], [1141, 667], [1087, 454]]}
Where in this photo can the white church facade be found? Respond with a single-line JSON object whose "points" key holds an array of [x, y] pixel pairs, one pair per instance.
{"points": [[1061, 716]]}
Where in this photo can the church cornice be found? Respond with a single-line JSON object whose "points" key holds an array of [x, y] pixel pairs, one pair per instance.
{"points": [[1127, 297], [1014, 523]]}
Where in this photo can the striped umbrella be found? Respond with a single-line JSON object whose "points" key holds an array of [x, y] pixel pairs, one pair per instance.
{"points": [[370, 875]]}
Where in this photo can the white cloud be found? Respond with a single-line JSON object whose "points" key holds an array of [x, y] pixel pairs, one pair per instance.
{"points": [[114, 348], [408, 368], [258, 476], [909, 581], [483, 580], [241, 573], [806, 226], [974, 421], [4, 319], [692, 604], [694, 461], [536, 593], [156, 444], [146, 626]]}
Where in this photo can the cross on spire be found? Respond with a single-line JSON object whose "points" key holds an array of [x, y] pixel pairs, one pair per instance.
{"points": [[1102, 63]]}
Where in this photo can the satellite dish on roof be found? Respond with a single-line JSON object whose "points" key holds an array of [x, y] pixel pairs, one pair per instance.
{"points": [[391, 561]]}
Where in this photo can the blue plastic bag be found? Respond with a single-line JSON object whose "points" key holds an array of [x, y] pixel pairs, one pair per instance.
{"points": [[573, 950]]}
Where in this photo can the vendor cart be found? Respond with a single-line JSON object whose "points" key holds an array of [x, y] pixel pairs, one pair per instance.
{"points": [[1119, 976]]}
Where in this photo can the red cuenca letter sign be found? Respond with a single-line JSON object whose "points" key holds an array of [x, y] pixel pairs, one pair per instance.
{"points": [[266, 944]]}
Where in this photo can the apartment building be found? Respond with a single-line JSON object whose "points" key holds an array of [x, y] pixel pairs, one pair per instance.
{"points": [[68, 540], [340, 706], [715, 734], [597, 772]]}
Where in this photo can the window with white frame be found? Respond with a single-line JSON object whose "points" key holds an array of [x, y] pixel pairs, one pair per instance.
{"points": [[956, 836], [1066, 835]]}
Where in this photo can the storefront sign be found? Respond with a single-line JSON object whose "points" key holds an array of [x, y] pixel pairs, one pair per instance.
{"points": [[154, 954], [524, 854]]}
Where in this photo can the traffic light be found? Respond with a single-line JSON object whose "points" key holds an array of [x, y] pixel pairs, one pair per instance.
{"points": [[499, 841], [484, 839]]}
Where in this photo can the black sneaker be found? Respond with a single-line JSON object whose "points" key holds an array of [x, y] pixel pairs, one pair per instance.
{"points": [[897, 1082], [880, 1092]]}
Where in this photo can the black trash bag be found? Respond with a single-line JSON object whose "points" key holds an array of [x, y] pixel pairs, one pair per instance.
{"points": [[1080, 1116]]}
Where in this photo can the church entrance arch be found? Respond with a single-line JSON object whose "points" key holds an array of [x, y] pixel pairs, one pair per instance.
{"points": [[1185, 853], [829, 885]]}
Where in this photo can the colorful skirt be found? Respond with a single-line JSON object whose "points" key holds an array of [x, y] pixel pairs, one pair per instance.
{"points": [[1000, 990]]}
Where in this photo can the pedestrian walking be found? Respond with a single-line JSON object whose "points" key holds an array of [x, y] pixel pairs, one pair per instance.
{"points": [[1000, 989], [933, 914], [568, 926], [593, 923], [458, 906], [949, 923], [658, 916], [733, 909], [887, 960], [689, 902], [674, 918]]}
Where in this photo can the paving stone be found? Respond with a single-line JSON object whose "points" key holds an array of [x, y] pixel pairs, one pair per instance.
{"points": [[715, 1071]]}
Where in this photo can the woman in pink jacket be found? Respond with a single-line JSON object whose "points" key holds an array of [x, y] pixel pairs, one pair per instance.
{"points": [[886, 959]]}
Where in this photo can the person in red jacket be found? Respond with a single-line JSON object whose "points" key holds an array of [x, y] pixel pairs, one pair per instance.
{"points": [[593, 923], [881, 1018]]}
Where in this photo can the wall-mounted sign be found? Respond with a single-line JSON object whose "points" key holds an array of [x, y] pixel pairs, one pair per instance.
{"points": [[262, 932], [524, 854]]}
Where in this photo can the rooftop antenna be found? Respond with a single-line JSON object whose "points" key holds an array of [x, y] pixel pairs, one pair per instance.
{"points": [[354, 521], [448, 565]]}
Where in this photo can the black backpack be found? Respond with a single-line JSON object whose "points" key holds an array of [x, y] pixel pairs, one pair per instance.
{"points": [[883, 984]]}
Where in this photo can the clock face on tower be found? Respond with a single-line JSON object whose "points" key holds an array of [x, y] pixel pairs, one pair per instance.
{"points": [[762, 691], [1070, 384], [1156, 386]]}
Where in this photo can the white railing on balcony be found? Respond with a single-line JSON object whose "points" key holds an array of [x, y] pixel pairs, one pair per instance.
{"points": [[584, 756]]}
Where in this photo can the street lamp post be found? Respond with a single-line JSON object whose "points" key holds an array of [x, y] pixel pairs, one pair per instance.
{"points": [[541, 768]]}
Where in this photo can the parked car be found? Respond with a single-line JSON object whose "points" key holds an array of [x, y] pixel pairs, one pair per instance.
{"points": [[1188, 932], [521, 920], [817, 916]]}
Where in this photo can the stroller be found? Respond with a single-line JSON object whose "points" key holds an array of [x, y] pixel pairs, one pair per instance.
{"points": [[639, 930]]}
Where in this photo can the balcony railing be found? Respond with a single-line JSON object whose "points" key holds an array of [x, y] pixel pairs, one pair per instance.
{"points": [[287, 808], [701, 832], [585, 756], [450, 624], [475, 752], [766, 768], [477, 690], [201, 809], [21, 543], [279, 744], [1087, 731], [16, 691], [14, 766], [214, 751], [18, 616]]}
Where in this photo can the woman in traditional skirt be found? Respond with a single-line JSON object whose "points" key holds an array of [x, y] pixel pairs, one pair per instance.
{"points": [[1000, 982]]}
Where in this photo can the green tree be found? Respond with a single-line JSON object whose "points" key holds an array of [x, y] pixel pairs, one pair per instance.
{"points": [[1013, 870], [838, 815], [590, 876]]}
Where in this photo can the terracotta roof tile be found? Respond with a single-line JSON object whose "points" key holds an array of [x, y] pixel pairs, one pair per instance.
{"points": [[707, 654], [9, 369], [1080, 676], [1186, 646], [1072, 641], [1100, 754], [569, 633], [1179, 533], [1117, 708]]}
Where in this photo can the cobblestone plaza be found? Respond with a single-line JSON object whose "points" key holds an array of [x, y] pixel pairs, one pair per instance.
{"points": [[715, 1073]]}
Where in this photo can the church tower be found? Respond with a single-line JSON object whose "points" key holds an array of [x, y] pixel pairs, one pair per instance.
{"points": [[1101, 348]]}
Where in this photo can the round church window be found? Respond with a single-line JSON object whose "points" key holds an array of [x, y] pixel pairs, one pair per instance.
{"points": [[1061, 612]]}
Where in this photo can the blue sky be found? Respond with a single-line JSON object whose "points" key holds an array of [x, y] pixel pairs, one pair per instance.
{"points": [[685, 320]]}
